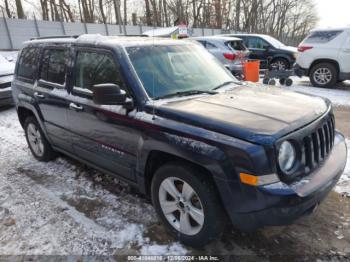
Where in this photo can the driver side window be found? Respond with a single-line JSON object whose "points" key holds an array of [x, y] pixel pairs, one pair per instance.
{"points": [[93, 68]]}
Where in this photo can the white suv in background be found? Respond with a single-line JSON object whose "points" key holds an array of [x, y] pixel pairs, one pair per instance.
{"points": [[324, 56]]}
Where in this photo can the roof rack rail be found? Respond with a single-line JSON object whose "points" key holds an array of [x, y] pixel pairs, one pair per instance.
{"points": [[54, 36]]}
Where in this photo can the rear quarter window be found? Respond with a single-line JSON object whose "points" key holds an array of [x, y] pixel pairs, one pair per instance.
{"points": [[27, 63], [321, 37]]}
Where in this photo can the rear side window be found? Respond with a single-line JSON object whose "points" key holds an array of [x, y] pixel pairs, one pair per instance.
{"points": [[27, 63], [321, 37], [96, 68], [53, 67], [236, 45]]}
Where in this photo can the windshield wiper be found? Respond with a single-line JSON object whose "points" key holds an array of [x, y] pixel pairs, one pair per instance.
{"points": [[225, 84], [187, 93]]}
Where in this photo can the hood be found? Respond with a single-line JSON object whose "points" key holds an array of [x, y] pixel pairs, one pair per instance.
{"points": [[289, 48], [256, 113], [7, 68]]}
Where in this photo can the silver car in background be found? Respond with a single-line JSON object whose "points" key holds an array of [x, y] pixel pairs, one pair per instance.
{"points": [[6, 75], [230, 51]]}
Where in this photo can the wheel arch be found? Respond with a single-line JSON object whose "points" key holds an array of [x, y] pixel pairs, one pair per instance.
{"points": [[26, 110], [324, 60], [284, 57], [158, 158], [23, 113]]}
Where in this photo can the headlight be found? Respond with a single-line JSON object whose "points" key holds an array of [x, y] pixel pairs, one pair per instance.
{"points": [[286, 156]]}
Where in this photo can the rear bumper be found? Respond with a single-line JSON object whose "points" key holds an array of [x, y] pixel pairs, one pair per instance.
{"points": [[6, 97], [286, 203]]}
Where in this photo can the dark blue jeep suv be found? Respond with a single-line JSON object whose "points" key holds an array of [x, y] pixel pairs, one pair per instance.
{"points": [[168, 118]]}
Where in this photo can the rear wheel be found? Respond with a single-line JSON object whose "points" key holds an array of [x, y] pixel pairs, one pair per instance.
{"points": [[324, 75], [187, 203], [37, 142], [280, 64]]}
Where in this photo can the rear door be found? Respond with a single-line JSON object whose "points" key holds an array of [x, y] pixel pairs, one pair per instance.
{"points": [[50, 94], [100, 134]]}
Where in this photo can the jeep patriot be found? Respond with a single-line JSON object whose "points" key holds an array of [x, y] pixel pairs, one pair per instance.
{"points": [[166, 117]]}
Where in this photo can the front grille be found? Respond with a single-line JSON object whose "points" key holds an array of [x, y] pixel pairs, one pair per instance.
{"points": [[317, 145], [313, 144]]}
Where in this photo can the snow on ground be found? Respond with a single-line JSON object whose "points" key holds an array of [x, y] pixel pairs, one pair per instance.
{"points": [[340, 95], [62, 208], [343, 186]]}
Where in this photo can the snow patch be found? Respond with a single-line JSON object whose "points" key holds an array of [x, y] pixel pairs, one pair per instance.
{"points": [[336, 96], [343, 186], [63, 208]]}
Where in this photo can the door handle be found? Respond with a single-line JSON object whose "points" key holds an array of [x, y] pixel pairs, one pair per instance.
{"points": [[39, 95], [75, 107]]}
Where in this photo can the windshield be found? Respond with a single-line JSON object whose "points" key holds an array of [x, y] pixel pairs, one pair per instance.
{"points": [[273, 41], [174, 69]]}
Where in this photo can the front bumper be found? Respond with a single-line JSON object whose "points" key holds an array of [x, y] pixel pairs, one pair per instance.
{"points": [[286, 203], [6, 97]]}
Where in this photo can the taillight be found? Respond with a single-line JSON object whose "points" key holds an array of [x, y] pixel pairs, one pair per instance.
{"points": [[304, 48], [230, 56]]}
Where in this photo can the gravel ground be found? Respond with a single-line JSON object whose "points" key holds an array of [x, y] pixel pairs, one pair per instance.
{"points": [[63, 207]]}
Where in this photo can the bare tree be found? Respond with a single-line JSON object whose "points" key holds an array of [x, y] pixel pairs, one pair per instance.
{"points": [[20, 12]]}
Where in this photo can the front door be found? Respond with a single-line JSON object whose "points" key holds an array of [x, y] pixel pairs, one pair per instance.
{"points": [[100, 134]]}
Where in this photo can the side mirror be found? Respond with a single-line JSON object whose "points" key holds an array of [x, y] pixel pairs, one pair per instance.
{"points": [[109, 94]]}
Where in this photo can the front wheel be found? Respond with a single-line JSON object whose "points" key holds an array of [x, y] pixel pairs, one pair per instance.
{"points": [[324, 75], [37, 142], [188, 204]]}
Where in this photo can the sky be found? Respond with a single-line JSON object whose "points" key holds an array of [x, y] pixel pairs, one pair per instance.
{"points": [[333, 13]]}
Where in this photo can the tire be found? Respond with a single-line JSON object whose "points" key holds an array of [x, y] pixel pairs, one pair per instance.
{"points": [[173, 177], [272, 82], [37, 142], [266, 81], [280, 64], [289, 82], [324, 75], [282, 81]]}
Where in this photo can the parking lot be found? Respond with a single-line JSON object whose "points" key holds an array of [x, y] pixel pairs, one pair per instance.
{"points": [[64, 207]]}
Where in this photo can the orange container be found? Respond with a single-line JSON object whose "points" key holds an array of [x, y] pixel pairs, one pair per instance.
{"points": [[251, 70]]}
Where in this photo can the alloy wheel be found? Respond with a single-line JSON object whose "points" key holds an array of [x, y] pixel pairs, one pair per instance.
{"points": [[35, 140], [279, 65], [322, 76], [181, 206]]}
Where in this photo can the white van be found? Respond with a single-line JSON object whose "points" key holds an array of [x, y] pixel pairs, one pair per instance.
{"points": [[324, 56]]}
